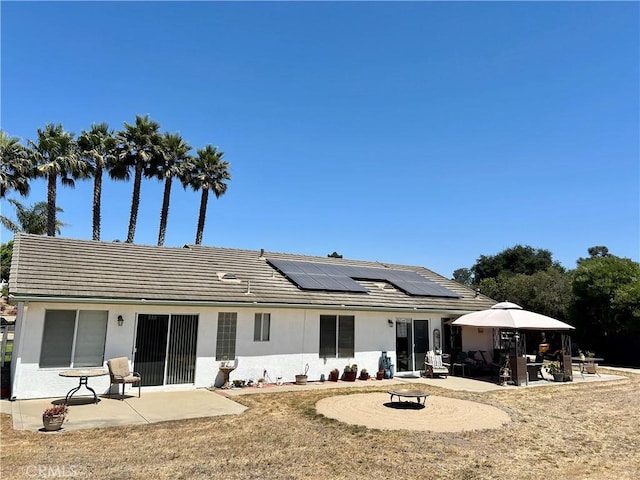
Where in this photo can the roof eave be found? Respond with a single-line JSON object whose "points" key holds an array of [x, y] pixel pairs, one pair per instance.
{"points": [[26, 298]]}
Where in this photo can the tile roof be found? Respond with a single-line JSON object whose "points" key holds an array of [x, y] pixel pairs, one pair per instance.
{"points": [[62, 268]]}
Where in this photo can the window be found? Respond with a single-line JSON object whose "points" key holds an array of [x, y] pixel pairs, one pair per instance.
{"points": [[226, 339], [337, 335], [73, 338], [261, 327]]}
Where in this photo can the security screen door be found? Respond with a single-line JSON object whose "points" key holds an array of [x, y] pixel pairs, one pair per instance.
{"points": [[166, 349], [421, 342]]}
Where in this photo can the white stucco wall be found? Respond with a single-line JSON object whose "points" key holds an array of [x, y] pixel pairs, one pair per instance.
{"points": [[474, 338], [293, 344]]}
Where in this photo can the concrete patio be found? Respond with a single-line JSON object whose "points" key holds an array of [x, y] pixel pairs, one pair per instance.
{"points": [[154, 407]]}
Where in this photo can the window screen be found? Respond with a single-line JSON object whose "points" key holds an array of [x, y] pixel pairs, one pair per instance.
{"points": [[226, 338], [261, 327], [57, 338]]}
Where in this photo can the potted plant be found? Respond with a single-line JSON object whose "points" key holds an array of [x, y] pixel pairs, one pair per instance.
{"points": [[554, 369], [334, 375], [260, 383], [350, 373], [302, 379], [53, 417], [364, 374]]}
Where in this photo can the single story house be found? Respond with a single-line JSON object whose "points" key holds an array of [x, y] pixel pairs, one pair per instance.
{"points": [[178, 313]]}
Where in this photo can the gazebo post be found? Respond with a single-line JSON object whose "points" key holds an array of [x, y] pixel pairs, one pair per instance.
{"points": [[566, 357]]}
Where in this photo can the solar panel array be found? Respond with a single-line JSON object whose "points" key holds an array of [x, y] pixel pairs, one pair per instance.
{"points": [[342, 278]]}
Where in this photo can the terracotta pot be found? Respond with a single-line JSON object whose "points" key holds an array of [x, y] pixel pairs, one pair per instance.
{"points": [[349, 376], [301, 379], [379, 375], [333, 376], [52, 423]]}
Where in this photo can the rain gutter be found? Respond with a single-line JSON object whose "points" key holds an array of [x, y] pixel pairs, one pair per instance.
{"points": [[212, 303]]}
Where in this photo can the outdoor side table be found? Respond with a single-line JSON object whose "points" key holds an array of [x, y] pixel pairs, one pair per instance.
{"points": [[83, 375], [461, 365]]}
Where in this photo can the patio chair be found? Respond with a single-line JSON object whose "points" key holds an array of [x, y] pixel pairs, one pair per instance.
{"points": [[120, 373], [433, 365]]}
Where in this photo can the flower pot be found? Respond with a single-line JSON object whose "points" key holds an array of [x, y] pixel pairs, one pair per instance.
{"points": [[334, 376], [52, 423], [558, 377], [349, 376], [379, 375], [301, 379]]}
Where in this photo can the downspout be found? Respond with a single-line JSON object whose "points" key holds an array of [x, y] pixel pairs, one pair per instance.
{"points": [[304, 325], [16, 356]]}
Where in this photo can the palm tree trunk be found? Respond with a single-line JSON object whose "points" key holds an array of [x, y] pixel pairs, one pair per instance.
{"points": [[51, 204], [164, 214], [203, 214], [97, 193], [135, 203]]}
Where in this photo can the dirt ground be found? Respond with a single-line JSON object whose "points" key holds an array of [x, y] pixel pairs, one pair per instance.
{"points": [[578, 431]]}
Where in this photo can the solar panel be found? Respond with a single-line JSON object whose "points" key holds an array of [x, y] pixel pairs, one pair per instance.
{"points": [[342, 278]]}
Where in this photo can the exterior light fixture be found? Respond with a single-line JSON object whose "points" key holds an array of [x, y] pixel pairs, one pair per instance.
{"points": [[120, 320], [390, 322]]}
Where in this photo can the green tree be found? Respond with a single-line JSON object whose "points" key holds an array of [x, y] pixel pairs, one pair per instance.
{"points": [[55, 154], [517, 259], [32, 219], [98, 149], [6, 252], [607, 295], [173, 164], [463, 276], [547, 292], [15, 168], [334, 255], [139, 147], [208, 171]]}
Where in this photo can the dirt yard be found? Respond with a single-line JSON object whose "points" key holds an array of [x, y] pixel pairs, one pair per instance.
{"points": [[580, 431]]}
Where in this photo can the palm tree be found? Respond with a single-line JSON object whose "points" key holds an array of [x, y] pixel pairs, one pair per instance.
{"points": [[208, 171], [175, 157], [55, 154], [98, 149], [139, 148], [32, 219], [15, 168]]}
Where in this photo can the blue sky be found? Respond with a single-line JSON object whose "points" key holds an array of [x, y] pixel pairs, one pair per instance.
{"points": [[422, 133]]}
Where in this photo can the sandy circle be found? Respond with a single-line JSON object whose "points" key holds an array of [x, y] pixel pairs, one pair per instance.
{"points": [[440, 414]]}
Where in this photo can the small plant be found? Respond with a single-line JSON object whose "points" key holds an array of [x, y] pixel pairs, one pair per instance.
{"points": [[56, 410], [553, 368]]}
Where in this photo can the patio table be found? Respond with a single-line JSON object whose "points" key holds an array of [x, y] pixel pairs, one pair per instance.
{"points": [[83, 375], [587, 364]]}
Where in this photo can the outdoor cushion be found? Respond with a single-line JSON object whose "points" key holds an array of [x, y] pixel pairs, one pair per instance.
{"points": [[120, 373]]}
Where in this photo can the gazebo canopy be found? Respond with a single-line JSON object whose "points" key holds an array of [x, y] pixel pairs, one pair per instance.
{"points": [[512, 316]]}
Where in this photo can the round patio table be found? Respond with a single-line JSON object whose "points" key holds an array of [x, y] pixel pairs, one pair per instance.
{"points": [[83, 375]]}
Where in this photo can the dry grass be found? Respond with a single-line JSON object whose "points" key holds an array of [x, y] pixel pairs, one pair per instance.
{"points": [[582, 431]]}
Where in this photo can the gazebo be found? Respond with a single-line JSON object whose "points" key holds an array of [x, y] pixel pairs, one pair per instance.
{"points": [[508, 320]]}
